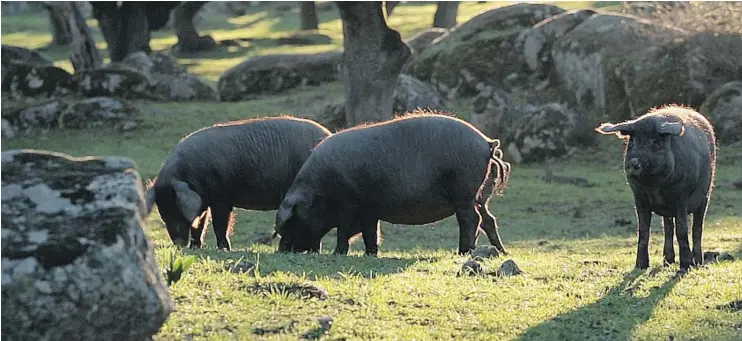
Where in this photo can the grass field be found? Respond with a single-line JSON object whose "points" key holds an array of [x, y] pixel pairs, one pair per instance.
{"points": [[573, 243]]}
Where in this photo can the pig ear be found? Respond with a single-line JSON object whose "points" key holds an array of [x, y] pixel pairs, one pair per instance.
{"points": [[282, 216], [189, 202], [671, 128], [620, 129]]}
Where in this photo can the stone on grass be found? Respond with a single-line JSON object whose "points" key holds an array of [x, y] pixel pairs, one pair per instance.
{"points": [[713, 256], [509, 268], [485, 252], [76, 264], [471, 268], [242, 267]]}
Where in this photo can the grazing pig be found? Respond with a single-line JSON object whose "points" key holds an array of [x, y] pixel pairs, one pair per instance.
{"points": [[670, 160], [248, 164], [414, 170]]}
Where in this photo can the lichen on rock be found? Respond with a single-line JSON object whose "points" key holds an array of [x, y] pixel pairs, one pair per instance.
{"points": [[76, 263]]}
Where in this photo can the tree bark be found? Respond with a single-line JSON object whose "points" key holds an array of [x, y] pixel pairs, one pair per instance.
{"points": [[84, 53], [445, 15], [372, 60], [188, 38], [61, 34], [389, 5], [308, 16]]}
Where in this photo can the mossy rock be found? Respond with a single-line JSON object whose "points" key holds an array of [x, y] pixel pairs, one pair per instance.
{"points": [[479, 52], [86, 113], [462, 68], [724, 108], [21, 80], [586, 58], [271, 74], [653, 77]]}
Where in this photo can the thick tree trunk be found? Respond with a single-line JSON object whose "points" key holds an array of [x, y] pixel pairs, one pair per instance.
{"points": [[308, 16], [373, 58], [84, 53], [61, 34], [389, 5], [445, 15], [126, 28], [188, 38]]}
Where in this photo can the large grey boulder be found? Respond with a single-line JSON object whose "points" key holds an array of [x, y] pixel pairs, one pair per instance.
{"points": [[156, 76], [84, 113], [271, 74], [724, 108], [480, 52], [587, 57], [530, 131], [21, 80], [168, 80], [76, 264], [23, 55], [536, 42], [410, 94]]}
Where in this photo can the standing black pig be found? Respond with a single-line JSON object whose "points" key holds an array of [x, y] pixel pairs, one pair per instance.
{"points": [[670, 160], [248, 164], [414, 170]]}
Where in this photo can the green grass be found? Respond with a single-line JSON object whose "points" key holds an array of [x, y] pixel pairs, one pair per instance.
{"points": [[579, 282]]}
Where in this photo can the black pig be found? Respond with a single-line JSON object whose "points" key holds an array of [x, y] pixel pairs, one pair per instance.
{"points": [[414, 170], [670, 160], [248, 164]]}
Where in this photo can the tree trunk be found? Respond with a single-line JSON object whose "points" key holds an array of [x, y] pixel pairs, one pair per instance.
{"points": [[373, 58], [308, 16], [445, 15], [389, 5], [188, 38], [84, 53], [61, 34], [126, 28]]}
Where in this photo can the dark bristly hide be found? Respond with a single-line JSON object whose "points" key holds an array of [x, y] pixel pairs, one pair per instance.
{"points": [[248, 164], [670, 160], [415, 169]]}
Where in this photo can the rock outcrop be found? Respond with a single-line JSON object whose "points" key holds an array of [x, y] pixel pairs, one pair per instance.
{"points": [[271, 74], [724, 108], [76, 264], [69, 114]]}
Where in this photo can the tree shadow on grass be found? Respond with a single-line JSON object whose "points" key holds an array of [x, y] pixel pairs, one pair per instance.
{"points": [[614, 317]]}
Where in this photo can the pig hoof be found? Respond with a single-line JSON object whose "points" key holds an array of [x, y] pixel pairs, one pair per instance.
{"points": [[642, 265]]}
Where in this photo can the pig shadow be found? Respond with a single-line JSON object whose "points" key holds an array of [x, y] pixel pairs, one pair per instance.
{"points": [[613, 317], [323, 264]]}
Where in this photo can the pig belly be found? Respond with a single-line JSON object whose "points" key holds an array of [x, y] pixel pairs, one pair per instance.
{"points": [[418, 215]]}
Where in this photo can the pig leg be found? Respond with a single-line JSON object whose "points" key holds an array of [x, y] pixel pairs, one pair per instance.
{"points": [[644, 218], [371, 231], [221, 215], [668, 252], [698, 216], [343, 240], [681, 225], [198, 235], [468, 220], [489, 225]]}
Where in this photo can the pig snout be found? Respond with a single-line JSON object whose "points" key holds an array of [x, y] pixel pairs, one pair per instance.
{"points": [[633, 167], [180, 242]]}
